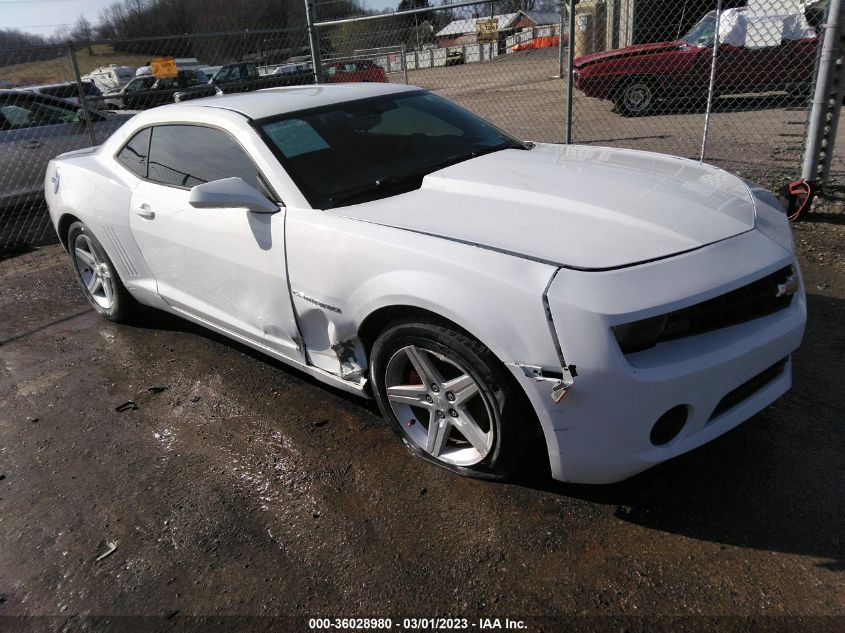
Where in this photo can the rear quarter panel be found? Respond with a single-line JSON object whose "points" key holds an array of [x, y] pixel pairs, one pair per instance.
{"points": [[96, 191]]}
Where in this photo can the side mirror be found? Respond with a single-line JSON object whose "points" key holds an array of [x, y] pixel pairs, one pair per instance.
{"points": [[230, 193]]}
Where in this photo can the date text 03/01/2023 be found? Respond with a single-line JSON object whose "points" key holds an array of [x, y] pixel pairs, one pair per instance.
{"points": [[416, 624]]}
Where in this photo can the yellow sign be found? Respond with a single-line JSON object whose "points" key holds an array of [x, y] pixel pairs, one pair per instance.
{"points": [[487, 29], [163, 67]]}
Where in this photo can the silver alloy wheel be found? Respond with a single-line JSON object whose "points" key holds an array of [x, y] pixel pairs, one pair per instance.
{"points": [[637, 97], [93, 271], [439, 406]]}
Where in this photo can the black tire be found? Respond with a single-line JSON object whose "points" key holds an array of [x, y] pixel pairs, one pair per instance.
{"points": [[637, 97], [513, 422], [123, 306]]}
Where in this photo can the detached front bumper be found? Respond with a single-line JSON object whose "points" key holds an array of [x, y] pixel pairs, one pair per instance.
{"points": [[602, 431]]}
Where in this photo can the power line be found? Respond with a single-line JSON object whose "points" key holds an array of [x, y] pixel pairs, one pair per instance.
{"points": [[33, 1], [39, 26]]}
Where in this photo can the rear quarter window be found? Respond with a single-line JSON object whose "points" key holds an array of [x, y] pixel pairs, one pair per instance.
{"points": [[134, 154]]}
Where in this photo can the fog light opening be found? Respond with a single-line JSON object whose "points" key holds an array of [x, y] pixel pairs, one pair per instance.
{"points": [[669, 425]]}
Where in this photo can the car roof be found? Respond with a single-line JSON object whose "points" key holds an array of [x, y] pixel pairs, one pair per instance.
{"points": [[62, 84], [272, 101], [32, 94]]}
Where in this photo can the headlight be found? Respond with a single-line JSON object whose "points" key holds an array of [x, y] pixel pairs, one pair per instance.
{"points": [[218, 91], [640, 335], [770, 217]]}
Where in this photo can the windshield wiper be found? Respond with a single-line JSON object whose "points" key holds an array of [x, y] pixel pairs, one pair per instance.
{"points": [[499, 148], [385, 183]]}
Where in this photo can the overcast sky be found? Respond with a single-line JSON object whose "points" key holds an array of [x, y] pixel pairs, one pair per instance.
{"points": [[45, 16]]}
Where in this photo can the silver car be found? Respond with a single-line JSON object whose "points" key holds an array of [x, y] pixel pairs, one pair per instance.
{"points": [[35, 128]]}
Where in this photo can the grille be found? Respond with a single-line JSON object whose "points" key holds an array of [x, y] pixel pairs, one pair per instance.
{"points": [[749, 388], [757, 299]]}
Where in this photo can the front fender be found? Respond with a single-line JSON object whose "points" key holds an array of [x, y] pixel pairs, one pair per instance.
{"points": [[343, 270]]}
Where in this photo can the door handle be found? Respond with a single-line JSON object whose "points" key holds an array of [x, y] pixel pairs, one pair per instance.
{"points": [[32, 144], [145, 212]]}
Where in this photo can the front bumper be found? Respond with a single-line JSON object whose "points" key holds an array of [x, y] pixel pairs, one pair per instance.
{"points": [[600, 433], [598, 87]]}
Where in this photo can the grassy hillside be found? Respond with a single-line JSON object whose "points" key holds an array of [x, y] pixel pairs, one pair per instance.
{"points": [[60, 69]]}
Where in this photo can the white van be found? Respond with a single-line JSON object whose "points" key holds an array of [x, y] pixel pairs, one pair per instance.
{"points": [[111, 77]]}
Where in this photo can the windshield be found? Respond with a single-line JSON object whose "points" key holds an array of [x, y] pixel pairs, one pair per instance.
{"points": [[372, 148], [702, 34]]}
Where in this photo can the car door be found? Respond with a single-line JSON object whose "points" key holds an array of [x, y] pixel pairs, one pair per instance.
{"points": [[223, 266]]}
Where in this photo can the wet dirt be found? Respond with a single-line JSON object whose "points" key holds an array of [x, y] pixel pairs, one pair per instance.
{"points": [[237, 486]]}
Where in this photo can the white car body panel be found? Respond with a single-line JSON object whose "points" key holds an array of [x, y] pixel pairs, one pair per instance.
{"points": [[486, 244]]}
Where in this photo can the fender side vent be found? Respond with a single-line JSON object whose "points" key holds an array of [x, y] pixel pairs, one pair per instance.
{"points": [[120, 251]]}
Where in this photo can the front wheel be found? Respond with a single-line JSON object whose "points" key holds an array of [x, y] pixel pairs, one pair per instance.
{"points": [[636, 98], [97, 276], [450, 400]]}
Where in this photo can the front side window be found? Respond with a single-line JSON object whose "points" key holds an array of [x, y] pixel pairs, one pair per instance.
{"points": [[373, 148], [189, 155], [133, 156]]}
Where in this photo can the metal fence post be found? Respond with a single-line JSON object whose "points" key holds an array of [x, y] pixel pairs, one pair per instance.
{"points": [[80, 90], [314, 40], [822, 107], [570, 78], [560, 42], [405, 62], [712, 85]]}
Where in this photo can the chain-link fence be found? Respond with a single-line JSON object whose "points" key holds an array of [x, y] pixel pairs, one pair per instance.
{"points": [[61, 98], [646, 73], [648, 76], [726, 81]]}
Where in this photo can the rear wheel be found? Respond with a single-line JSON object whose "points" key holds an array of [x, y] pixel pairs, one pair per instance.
{"points": [[450, 400], [97, 276]]}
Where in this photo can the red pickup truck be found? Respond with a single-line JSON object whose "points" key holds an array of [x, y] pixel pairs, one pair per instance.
{"points": [[756, 54]]}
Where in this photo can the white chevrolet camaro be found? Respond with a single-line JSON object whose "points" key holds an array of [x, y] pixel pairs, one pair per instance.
{"points": [[608, 308]]}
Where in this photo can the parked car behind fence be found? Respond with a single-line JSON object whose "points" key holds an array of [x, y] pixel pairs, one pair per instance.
{"points": [[243, 77], [35, 128], [148, 91], [757, 53]]}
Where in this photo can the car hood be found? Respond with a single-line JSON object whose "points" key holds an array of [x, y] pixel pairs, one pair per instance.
{"points": [[582, 207], [628, 51]]}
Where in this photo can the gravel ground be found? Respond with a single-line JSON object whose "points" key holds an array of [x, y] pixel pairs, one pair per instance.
{"points": [[237, 487]]}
